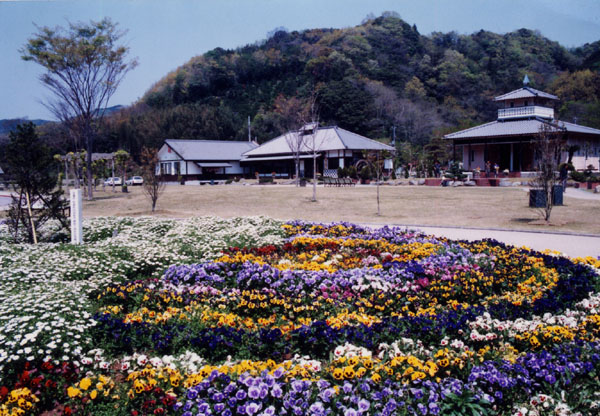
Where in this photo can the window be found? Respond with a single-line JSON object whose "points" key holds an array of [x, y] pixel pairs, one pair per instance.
{"points": [[333, 163], [165, 168], [472, 158], [526, 103], [176, 168]]}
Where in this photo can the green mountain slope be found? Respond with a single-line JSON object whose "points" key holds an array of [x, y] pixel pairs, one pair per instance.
{"points": [[367, 79]]}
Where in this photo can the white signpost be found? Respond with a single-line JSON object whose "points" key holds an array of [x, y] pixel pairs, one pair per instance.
{"points": [[76, 214]]}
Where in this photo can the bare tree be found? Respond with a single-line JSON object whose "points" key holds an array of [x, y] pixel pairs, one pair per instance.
{"points": [[312, 142], [153, 185], [292, 111], [84, 66], [548, 145], [295, 140], [376, 160]]}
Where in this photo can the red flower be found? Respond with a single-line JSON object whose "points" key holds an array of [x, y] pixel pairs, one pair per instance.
{"points": [[159, 411], [3, 392], [47, 365], [68, 411], [36, 381], [134, 413], [24, 376], [50, 384]]}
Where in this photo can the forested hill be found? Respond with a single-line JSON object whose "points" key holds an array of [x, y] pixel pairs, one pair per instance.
{"points": [[368, 78]]}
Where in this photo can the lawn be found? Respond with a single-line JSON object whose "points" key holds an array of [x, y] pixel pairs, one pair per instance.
{"points": [[505, 208]]}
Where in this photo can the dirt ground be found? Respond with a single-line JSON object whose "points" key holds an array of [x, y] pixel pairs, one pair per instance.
{"points": [[488, 207]]}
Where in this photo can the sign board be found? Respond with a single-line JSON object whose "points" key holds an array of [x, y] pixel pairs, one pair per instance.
{"points": [[76, 217]]}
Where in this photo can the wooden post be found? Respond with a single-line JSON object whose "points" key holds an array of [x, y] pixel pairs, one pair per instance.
{"points": [[76, 217]]}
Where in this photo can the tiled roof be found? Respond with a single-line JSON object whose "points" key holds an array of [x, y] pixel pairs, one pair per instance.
{"points": [[515, 128], [210, 149], [525, 92], [327, 138]]}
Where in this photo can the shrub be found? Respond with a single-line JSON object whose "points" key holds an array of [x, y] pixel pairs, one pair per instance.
{"points": [[578, 176]]}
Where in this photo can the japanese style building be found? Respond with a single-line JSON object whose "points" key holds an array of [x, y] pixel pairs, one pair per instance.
{"points": [[336, 148], [202, 160], [508, 141]]}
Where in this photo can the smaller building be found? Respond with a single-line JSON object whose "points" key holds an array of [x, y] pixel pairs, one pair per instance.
{"points": [[201, 160]]}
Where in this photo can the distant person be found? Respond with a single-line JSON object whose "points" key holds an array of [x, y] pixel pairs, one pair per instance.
{"points": [[437, 169], [563, 174], [488, 168], [496, 169]]}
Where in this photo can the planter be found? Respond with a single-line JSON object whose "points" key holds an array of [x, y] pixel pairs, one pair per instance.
{"points": [[537, 197], [557, 195], [433, 182]]}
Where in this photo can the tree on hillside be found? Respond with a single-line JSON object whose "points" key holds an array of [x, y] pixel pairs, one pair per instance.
{"points": [[153, 185], [83, 65], [30, 165]]}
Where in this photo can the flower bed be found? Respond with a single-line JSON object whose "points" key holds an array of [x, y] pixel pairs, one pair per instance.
{"points": [[251, 316]]}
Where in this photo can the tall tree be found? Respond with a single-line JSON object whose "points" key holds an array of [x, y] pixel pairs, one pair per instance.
{"points": [[84, 65]]}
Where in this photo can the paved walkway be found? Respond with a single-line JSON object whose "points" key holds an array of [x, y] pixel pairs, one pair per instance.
{"points": [[572, 245], [581, 194]]}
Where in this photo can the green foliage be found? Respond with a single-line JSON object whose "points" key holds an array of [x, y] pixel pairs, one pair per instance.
{"points": [[465, 404], [366, 173], [579, 176], [30, 165], [455, 172], [83, 66]]}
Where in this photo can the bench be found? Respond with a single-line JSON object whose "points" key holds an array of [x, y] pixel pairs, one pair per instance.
{"points": [[338, 182]]}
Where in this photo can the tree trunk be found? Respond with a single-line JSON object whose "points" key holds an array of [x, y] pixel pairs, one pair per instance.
{"points": [[297, 172], [378, 170], [314, 197], [88, 163]]}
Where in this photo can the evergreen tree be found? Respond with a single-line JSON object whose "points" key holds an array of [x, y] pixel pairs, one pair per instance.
{"points": [[30, 166]]}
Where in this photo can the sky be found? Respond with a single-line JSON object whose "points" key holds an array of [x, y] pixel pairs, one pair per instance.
{"points": [[164, 34]]}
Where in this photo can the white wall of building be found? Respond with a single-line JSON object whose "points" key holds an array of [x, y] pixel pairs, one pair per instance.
{"points": [[168, 161]]}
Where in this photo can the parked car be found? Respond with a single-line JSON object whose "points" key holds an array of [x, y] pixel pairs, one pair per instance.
{"points": [[113, 181], [134, 180]]}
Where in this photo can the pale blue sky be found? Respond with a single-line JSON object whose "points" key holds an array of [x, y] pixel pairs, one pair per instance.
{"points": [[164, 34]]}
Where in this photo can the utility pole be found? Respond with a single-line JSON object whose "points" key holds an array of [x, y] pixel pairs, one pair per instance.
{"points": [[249, 131]]}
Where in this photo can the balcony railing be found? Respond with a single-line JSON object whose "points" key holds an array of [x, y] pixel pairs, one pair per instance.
{"points": [[525, 112]]}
